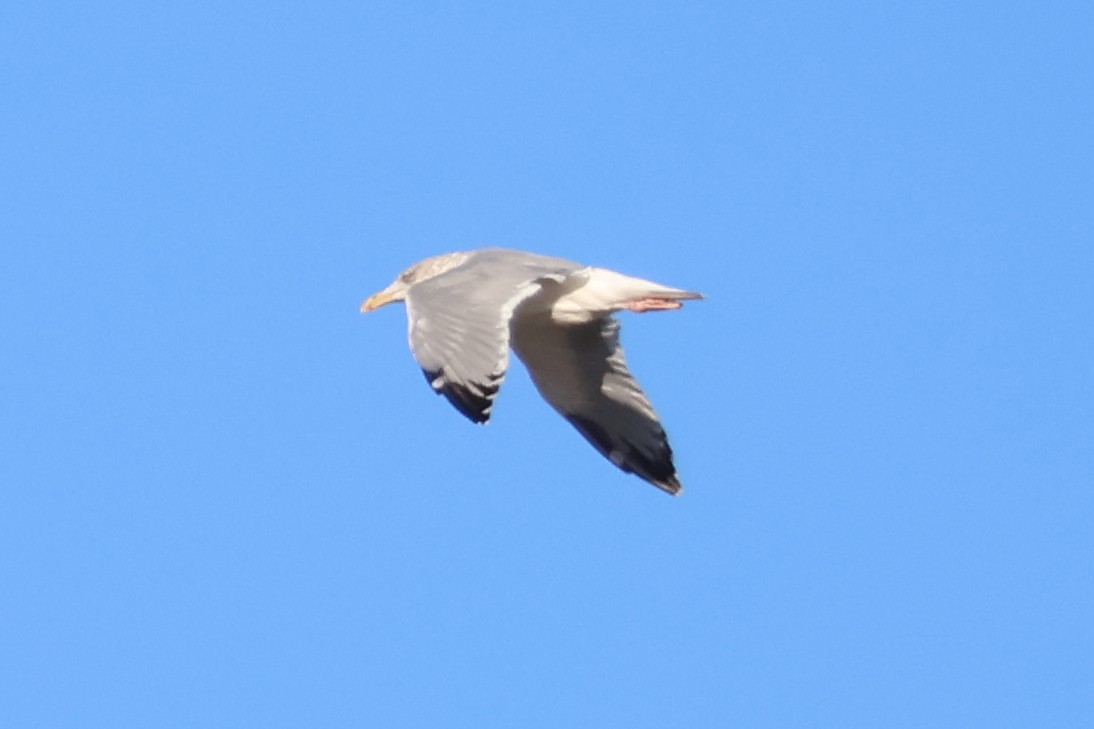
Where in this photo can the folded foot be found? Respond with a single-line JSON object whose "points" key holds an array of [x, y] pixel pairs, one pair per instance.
{"points": [[652, 304]]}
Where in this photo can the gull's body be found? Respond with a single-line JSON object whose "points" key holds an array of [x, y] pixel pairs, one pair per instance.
{"points": [[465, 310]]}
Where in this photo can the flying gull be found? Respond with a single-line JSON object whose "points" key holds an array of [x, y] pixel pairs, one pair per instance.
{"points": [[466, 309]]}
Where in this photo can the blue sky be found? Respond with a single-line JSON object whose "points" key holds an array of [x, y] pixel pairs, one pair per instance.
{"points": [[231, 500]]}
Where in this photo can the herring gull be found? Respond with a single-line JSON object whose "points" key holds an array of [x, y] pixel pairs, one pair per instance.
{"points": [[466, 309]]}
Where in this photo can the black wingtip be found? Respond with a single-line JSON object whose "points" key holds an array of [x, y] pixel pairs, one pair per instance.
{"points": [[474, 404], [656, 468], [670, 486]]}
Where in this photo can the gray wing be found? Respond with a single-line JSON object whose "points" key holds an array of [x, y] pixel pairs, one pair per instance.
{"points": [[459, 323], [581, 371]]}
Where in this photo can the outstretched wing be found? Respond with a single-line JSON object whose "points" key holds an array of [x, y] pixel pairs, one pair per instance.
{"points": [[459, 323], [581, 371]]}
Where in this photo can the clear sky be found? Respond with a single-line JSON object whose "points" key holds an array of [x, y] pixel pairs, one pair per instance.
{"points": [[230, 500]]}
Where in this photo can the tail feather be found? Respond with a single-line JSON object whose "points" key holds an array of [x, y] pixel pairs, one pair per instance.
{"points": [[604, 291], [678, 294]]}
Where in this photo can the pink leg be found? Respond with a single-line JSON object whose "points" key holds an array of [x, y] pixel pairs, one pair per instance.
{"points": [[652, 304]]}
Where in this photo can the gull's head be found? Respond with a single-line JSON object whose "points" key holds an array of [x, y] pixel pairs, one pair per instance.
{"points": [[421, 271], [395, 292]]}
